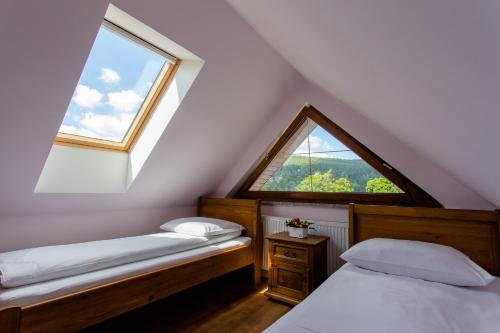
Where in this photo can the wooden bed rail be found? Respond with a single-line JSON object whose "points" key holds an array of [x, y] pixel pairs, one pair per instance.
{"points": [[10, 318]]}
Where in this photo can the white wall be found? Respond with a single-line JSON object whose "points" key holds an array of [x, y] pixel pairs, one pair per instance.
{"points": [[79, 170], [18, 232], [445, 188], [48, 44], [425, 71]]}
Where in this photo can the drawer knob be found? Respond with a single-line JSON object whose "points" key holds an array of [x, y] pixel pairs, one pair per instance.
{"points": [[290, 255]]}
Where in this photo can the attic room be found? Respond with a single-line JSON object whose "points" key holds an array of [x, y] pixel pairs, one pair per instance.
{"points": [[249, 166]]}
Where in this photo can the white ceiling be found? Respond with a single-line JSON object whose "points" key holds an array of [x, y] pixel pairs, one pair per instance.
{"points": [[426, 71], [44, 48]]}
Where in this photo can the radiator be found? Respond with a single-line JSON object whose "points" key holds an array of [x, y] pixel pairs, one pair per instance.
{"points": [[337, 231]]}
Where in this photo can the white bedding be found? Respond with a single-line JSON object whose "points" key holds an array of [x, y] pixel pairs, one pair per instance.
{"points": [[22, 267], [356, 300], [38, 292]]}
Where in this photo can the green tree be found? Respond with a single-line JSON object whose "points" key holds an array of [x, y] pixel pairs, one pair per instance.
{"points": [[296, 168], [381, 185], [324, 182], [342, 185]]}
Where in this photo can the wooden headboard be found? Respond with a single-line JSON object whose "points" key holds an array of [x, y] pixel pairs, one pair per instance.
{"points": [[474, 232], [244, 212]]}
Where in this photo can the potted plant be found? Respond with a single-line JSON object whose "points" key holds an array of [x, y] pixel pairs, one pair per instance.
{"points": [[298, 228]]}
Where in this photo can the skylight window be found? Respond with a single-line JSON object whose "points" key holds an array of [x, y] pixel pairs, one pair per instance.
{"points": [[128, 93], [118, 89]]}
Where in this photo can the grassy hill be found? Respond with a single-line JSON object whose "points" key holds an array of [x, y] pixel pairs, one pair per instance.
{"points": [[296, 168]]}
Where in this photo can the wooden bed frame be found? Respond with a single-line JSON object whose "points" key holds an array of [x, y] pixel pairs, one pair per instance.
{"points": [[71, 312], [474, 232]]}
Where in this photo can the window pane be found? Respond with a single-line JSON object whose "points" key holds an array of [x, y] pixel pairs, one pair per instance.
{"points": [[321, 163], [117, 78], [289, 176]]}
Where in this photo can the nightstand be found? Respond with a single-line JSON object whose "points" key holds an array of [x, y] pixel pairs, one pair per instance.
{"points": [[297, 266]]}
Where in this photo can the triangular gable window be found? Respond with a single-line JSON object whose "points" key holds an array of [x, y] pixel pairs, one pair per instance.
{"points": [[315, 160]]}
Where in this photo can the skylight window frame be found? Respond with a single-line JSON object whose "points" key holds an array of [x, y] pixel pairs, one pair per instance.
{"points": [[413, 195], [147, 108]]}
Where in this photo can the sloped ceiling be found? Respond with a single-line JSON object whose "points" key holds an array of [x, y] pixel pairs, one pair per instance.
{"points": [[44, 48], [426, 71]]}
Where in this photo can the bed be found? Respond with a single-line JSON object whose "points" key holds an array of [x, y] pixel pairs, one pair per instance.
{"points": [[354, 299], [92, 297]]}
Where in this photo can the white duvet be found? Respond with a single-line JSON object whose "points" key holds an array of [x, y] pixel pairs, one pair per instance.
{"points": [[42, 291], [18, 268], [356, 300]]}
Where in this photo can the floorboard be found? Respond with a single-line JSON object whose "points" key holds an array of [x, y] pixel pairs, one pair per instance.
{"points": [[226, 304]]}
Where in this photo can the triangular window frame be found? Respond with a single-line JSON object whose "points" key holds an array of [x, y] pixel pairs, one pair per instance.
{"points": [[413, 195]]}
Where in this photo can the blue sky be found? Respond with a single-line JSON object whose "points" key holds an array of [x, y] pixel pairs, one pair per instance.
{"points": [[323, 144], [112, 87]]}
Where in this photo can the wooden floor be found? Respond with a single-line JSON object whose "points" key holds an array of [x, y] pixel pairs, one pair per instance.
{"points": [[226, 304]]}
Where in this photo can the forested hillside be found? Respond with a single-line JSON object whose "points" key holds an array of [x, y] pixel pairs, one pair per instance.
{"points": [[330, 174]]}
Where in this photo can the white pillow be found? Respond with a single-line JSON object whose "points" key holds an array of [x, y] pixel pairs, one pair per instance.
{"points": [[201, 226], [421, 260]]}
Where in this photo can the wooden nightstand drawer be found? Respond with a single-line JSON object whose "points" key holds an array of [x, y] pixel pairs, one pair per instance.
{"points": [[287, 252], [297, 266], [289, 281]]}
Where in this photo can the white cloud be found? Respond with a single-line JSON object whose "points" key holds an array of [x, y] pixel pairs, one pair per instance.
{"points": [[109, 76], [322, 148], [87, 97], [125, 100], [70, 129], [316, 143], [106, 127]]}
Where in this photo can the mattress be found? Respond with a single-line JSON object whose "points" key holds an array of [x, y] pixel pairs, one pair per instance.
{"points": [[358, 300], [41, 291], [22, 267]]}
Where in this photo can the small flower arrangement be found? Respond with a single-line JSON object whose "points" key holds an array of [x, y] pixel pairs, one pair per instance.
{"points": [[298, 223]]}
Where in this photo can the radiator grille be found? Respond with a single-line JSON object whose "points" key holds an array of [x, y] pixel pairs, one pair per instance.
{"points": [[337, 231]]}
